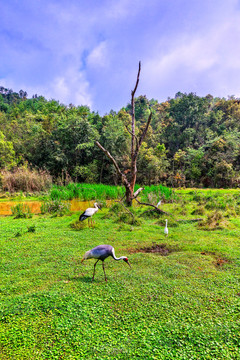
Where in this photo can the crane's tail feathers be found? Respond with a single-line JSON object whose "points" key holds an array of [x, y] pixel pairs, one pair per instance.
{"points": [[83, 217]]}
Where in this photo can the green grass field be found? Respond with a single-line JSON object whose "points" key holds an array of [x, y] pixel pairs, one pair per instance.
{"points": [[182, 306]]}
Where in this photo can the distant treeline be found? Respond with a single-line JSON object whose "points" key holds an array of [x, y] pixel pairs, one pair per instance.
{"points": [[192, 140]]}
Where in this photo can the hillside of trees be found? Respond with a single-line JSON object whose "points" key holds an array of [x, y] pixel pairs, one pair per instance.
{"points": [[192, 140]]}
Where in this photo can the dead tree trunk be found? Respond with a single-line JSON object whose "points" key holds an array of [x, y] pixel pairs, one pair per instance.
{"points": [[135, 147]]}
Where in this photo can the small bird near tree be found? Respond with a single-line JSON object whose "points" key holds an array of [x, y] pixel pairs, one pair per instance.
{"points": [[101, 252], [88, 213], [166, 229]]}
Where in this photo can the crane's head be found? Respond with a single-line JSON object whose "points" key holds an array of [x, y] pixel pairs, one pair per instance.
{"points": [[126, 260], [85, 256], [98, 205]]}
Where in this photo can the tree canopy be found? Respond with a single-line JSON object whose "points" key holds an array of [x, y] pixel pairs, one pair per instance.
{"points": [[191, 141]]}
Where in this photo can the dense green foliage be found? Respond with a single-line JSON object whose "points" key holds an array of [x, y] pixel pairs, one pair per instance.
{"points": [[192, 140], [182, 306]]}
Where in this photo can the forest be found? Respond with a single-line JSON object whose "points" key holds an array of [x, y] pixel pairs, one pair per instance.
{"points": [[192, 141]]}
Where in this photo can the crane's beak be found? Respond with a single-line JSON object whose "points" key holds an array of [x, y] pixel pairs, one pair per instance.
{"points": [[82, 260], [128, 263]]}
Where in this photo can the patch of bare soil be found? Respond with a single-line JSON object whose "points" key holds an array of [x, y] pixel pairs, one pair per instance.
{"points": [[162, 249]]}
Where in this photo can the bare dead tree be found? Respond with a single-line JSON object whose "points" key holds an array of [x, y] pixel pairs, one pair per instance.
{"points": [[136, 143]]}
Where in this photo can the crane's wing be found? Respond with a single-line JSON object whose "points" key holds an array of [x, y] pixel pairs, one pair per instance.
{"points": [[83, 216]]}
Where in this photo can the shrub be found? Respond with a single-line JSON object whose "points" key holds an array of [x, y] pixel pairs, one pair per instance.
{"points": [[57, 207], [21, 211]]}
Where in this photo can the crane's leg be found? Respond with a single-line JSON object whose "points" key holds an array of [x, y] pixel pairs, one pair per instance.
{"points": [[104, 270], [94, 269]]}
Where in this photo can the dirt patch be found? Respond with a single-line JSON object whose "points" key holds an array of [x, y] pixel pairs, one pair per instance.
{"points": [[162, 249], [219, 260]]}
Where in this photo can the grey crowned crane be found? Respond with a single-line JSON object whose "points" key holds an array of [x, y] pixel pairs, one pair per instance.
{"points": [[101, 252], [88, 213]]}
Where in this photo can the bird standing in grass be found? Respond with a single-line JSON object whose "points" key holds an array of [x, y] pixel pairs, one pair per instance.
{"points": [[101, 252], [166, 229], [88, 213]]}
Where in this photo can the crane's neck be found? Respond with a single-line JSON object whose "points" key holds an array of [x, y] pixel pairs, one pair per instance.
{"points": [[114, 256]]}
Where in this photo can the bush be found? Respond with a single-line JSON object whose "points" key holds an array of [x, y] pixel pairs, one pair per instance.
{"points": [[57, 207], [21, 211]]}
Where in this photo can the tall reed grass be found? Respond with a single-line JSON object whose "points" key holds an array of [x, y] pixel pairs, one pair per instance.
{"points": [[87, 192], [26, 180]]}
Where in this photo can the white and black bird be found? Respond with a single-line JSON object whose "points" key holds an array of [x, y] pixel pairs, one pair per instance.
{"points": [[159, 203], [101, 252], [166, 229], [88, 213]]}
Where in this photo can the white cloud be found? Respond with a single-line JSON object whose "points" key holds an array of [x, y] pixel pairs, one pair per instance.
{"points": [[99, 55], [72, 87]]}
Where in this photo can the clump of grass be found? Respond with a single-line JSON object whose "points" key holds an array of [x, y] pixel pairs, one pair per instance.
{"points": [[119, 214], [56, 207], [199, 210], [127, 218], [124, 227], [150, 214], [32, 228], [78, 225], [214, 221], [114, 211], [21, 211], [172, 222]]}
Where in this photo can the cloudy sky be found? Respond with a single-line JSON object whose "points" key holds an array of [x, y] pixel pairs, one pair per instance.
{"points": [[86, 52]]}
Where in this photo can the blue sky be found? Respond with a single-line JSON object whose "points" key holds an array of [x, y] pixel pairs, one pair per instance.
{"points": [[87, 52]]}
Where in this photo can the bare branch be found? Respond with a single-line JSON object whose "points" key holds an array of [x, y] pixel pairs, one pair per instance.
{"points": [[135, 195], [138, 75], [155, 207], [132, 134], [189, 220], [120, 201], [124, 178], [133, 110]]}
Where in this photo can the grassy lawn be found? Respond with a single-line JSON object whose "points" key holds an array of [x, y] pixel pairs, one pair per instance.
{"points": [[182, 306]]}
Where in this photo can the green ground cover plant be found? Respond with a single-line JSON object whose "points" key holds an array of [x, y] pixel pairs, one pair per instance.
{"points": [[184, 305], [21, 211]]}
